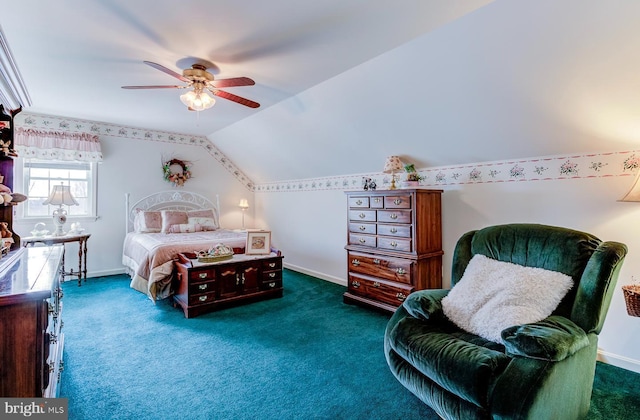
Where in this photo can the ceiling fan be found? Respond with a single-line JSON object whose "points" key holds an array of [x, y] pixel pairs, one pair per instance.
{"points": [[198, 78]]}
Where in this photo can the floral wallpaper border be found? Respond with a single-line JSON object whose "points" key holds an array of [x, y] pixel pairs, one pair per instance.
{"points": [[596, 165], [48, 122]]}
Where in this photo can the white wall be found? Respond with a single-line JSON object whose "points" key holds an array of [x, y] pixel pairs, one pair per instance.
{"points": [[133, 164]]}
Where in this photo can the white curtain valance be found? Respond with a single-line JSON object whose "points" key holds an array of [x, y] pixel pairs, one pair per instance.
{"points": [[57, 145]]}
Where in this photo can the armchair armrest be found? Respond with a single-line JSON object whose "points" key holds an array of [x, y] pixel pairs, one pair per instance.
{"points": [[425, 304], [554, 338]]}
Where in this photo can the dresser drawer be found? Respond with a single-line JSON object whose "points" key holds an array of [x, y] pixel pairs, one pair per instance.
{"points": [[363, 215], [395, 244], [397, 202], [394, 269], [378, 289], [376, 202], [271, 284], [202, 275], [362, 240], [275, 264], [369, 228], [272, 275], [394, 216], [403, 231], [202, 298], [200, 288], [359, 202]]}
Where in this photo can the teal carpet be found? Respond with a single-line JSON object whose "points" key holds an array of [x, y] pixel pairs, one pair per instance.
{"points": [[304, 356]]}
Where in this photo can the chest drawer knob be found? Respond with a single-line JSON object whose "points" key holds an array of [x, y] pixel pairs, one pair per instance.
{"points": [[401, 296], [401, 271], [362, 240], [202, 275], [272, 275], [393, 230], [355, 284], [394, 216], [376, 284], [355, 262], [359, 202], [202, 298], [397, 201], [272, 265], [393, 244], [377, 199], [376, 261], [203, 286], [362, 215], [362, 227], [272, 284]]}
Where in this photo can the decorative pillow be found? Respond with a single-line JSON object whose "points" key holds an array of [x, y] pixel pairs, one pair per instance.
{"points": [[173, 217], [185, 228], [148, 221], [206, 213], [206, 223], [493, 295]]}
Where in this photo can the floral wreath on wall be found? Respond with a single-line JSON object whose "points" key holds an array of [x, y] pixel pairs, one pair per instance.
{"points": [[179, 177]]}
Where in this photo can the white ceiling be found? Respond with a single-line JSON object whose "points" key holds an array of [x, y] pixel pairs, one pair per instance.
{"points": [[74, 55]]}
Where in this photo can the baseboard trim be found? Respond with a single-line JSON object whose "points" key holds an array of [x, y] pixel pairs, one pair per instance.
{"points": [[619, 361], [319, 275], [102, 273]]}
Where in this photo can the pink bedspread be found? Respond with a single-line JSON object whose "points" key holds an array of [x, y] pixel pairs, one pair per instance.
{"points": [[149, 256]]}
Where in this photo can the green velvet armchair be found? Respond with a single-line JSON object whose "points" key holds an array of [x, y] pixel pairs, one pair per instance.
{"points": [[543, 370]]}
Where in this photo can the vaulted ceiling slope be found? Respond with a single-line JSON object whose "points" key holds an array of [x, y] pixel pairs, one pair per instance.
{"points": [[74, 55], [514, 79]]}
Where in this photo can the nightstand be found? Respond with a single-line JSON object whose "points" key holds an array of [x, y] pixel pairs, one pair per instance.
{"points": [[81, 238]]}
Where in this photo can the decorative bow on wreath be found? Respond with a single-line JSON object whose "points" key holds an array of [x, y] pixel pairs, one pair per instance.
{"points": [[179, 177]]}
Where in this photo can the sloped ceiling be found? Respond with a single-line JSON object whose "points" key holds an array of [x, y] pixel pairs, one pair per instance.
{"points": [[76, 54], [345, 83]]}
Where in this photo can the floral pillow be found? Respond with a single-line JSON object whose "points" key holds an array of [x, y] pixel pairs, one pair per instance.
{"points": [[185, 228], [205, 218], [147, 222], [173, 217]]}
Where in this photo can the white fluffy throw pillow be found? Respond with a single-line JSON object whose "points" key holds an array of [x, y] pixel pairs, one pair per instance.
{"points": [[493, 295]]}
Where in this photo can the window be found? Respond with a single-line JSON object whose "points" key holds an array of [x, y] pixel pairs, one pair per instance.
{"points": [[39, 177]]}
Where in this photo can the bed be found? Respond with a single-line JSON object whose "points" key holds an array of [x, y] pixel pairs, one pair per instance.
{"points": [[154, 237]]}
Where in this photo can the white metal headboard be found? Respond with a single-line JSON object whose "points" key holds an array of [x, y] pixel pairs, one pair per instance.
{"points": [[169, 200]]}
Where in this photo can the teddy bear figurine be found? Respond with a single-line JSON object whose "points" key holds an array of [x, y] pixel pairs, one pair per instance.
{"points": [[4, 230]]}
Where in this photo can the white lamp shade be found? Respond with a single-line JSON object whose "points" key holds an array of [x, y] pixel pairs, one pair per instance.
{"points": [[634, 192], [243, 204], [61, 194], [393, 164], [197, 101]]}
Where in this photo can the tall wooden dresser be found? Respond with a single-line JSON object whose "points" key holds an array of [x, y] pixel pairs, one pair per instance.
{"points": [[31, 323], [394, 245]]}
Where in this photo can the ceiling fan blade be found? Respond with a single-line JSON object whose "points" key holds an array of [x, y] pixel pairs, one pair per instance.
{"points": [[235, 98], [166, 70], [235, 81], [154, 87]]}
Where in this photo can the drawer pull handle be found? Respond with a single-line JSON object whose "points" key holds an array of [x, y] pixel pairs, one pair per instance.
{"points": [[355, 262], [355, 284], [272, 265], [202, 298], [377, 199], [393, 244], [202, 275], [394, 216], [401, 296], [362, 227], [397, 201], [394, 230], [376, 261], [401, 271], [362, 215], [376, 284], [203, 286], [359, 202], [272, 284], [362, 240], [272, 275], [53, 339]]}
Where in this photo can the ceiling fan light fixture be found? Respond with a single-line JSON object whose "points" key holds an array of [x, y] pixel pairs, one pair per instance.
{"points": [[198, 101]]}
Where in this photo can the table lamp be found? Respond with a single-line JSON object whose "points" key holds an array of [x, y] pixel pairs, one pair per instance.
{"points": [[61, 194], [244, 205], [391, 166]]}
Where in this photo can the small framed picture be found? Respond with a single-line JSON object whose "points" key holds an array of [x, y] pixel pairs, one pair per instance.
{"points": [[258, 242]]}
